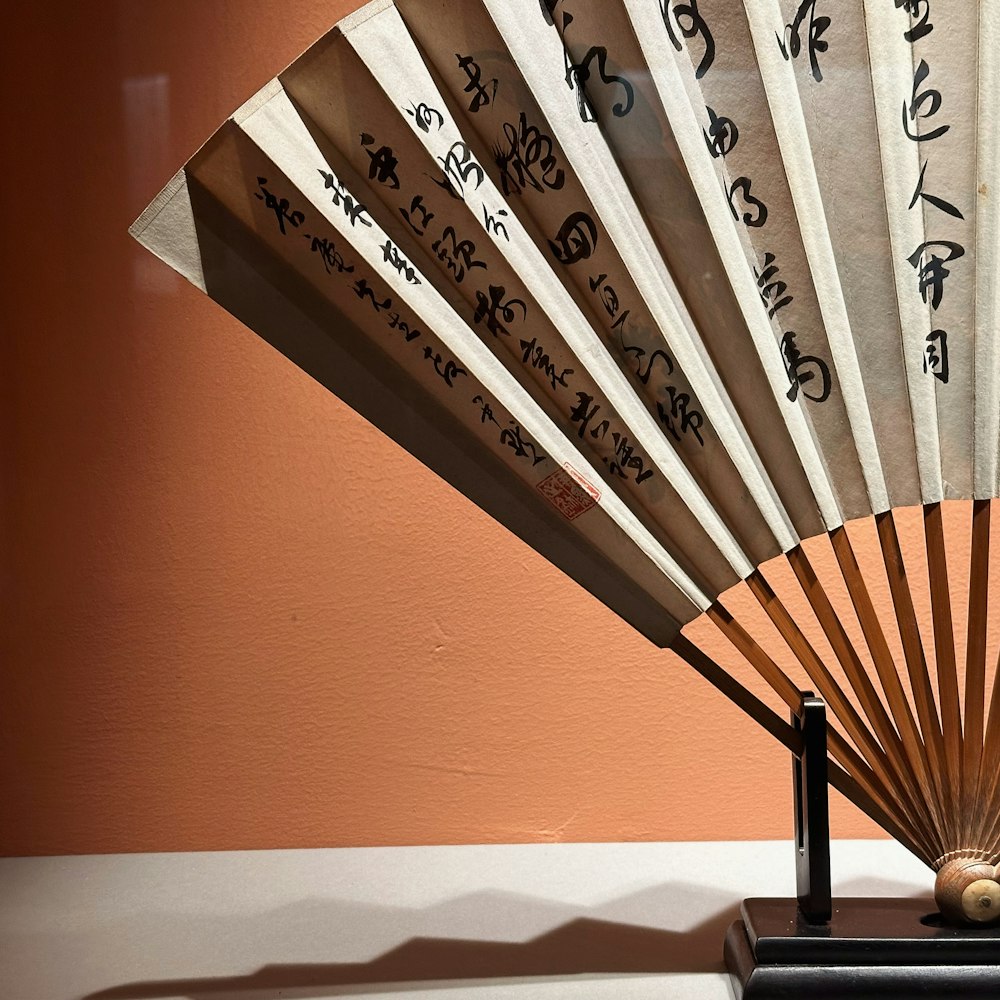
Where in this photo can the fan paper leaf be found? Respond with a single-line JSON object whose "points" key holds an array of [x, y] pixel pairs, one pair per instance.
{"points": [[666, 287]]}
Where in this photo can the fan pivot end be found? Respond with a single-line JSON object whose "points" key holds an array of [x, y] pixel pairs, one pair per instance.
{"points": [[967, 892]]}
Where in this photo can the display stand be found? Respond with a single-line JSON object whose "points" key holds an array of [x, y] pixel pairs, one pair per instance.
{"points": [[853, 949]]}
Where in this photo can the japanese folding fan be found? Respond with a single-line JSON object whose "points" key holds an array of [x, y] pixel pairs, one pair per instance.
{"points": [[666, 288]]}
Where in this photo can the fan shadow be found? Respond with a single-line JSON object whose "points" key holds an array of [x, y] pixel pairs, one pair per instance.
{"points": [[582, 944]]}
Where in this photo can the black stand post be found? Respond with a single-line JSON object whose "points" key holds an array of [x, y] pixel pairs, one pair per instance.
{"points": [[812, 813], [860, 949]]}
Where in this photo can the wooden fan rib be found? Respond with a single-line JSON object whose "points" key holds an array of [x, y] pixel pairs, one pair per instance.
{"points": [[916, 666], [975, 657], [944, 651], [843, 781], [765, 666], [931, 752], [989, 787], [785, 688], [892, 773], [750, 650], [859, 680], [885, 667], [779, 681], [737, 693], [909, 630], [863, 785], [852, 762]]}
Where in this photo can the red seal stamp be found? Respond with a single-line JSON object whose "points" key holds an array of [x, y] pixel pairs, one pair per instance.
{"points": [[569, 493]]}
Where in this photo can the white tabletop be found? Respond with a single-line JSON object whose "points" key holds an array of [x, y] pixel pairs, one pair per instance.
{"points": [[545, 921]]}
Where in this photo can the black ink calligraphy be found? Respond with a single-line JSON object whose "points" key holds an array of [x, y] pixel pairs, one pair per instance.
{"points": [[685, 17], [280, 207], [575, 240], [395, 259], [772, 288], [932, 199], [790, 40], [354, 210], [527, 147], [329, 254], [514, 438], [578, 75], [456, 254], [610, 301], [495, 312], [395, 323], [755, 215], [460, 167], [424, 116], [657, 355], [383, 163], [448, 370], [417, 215], [482, 94], [929, 100], [721, 135], [680, 418], [364, 291], [920, 9], [931, 267], [548, 8], [625, 458], [486, 410], [493, 225], [538, 358], [803, 370], [584, 412], [936, 355]]}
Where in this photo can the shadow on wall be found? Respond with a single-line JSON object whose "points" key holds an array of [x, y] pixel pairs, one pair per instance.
{"points": [[578, 945]]}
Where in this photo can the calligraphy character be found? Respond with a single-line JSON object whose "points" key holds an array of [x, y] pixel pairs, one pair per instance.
{"points": [[494, 309], [790, 41], [481, 96], [803, 370], [686, 18], [576, 239], [931, 268], [936, 355], [929, 100], [280, 207]]}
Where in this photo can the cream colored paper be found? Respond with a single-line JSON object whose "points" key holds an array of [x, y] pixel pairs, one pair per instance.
{"points": [[450, 216], [987, 411], [388, 50]]}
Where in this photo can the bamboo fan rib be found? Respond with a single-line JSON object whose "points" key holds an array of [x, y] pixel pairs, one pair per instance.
{"points": [[668, 288]]}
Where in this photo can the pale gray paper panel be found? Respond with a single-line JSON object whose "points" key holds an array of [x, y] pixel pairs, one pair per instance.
{"points": [[682, 102], [406, 77], [600, 285], [542, 59], [281, 290], [987, 468], [950, 54], [778, 59], [654, 499], [752, 176], [653, 165], [843, 134]]}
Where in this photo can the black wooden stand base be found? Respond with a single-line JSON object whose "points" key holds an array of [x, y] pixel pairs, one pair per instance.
{"points": [[872, 949]]}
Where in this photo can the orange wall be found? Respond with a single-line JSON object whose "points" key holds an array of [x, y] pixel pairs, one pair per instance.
{"points": [[235, 616]]}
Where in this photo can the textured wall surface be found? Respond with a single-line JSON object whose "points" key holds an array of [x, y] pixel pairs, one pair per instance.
{"points": [[236, 616]]}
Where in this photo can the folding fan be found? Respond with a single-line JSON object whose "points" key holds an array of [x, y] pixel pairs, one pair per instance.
{"points": [[667, 288]]}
